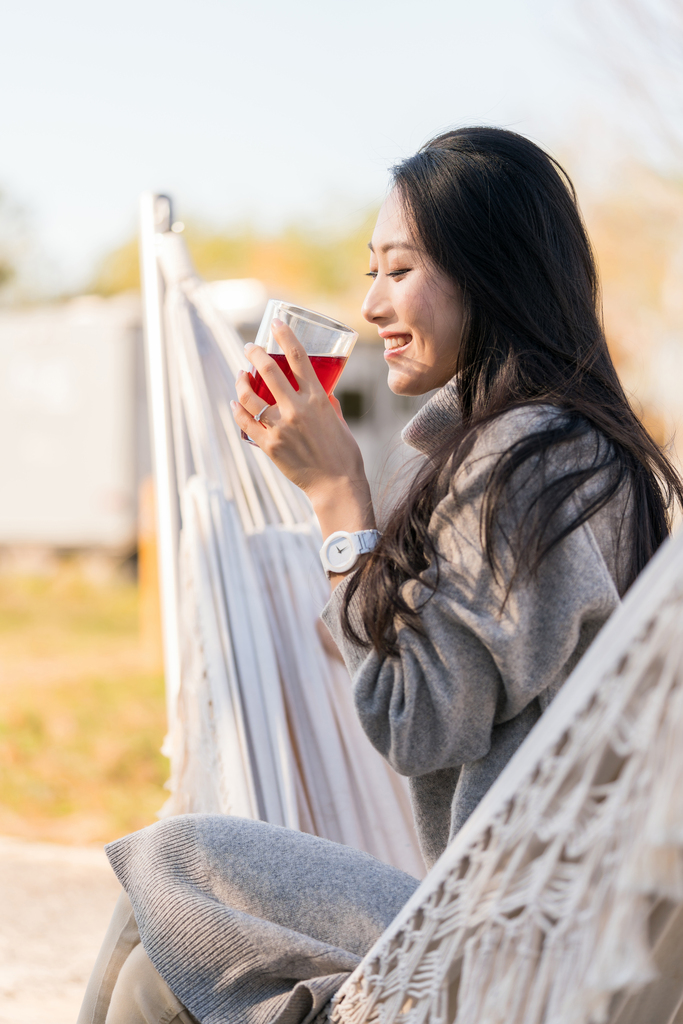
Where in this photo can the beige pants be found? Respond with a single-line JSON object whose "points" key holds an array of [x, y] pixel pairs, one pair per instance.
{"points": [[124, 987]]}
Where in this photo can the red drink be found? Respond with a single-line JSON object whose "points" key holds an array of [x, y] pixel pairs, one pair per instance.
{"points": [[328, 370]]}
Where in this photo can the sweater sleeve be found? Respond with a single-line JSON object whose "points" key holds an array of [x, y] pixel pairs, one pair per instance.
{"points": [[485, 654]]}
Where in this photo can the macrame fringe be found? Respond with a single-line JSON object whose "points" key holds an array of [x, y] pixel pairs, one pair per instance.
{"points": [[545, 918]]}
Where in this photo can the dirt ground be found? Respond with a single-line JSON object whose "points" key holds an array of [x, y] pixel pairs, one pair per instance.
{"points": [[56, 903]]}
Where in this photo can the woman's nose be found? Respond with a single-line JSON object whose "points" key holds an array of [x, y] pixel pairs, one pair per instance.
{"points": [[376, 305]]}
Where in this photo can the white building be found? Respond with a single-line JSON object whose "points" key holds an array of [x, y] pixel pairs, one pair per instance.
{"points": [[70, 436]]}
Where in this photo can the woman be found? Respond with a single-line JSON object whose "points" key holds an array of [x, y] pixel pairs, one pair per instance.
{"points": [[539, 500]]}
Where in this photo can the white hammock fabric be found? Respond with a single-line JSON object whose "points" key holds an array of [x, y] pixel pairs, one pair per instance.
{"points": [[561, 899], [261, 719]]}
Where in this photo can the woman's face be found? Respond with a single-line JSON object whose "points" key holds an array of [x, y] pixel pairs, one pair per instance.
{"points": [[415, 307]]}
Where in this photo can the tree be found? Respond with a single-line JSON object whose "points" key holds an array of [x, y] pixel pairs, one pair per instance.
{"points": [[297, 263], [640, 43]]}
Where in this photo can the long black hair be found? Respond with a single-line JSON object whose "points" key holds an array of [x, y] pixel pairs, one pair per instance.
{"points": [[499, 217]]}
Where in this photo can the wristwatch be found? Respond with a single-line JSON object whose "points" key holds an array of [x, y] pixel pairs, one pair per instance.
{"points": [[341, 550]]}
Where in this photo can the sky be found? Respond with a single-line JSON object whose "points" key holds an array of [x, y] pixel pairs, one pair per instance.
{"points": [[259, 110]]}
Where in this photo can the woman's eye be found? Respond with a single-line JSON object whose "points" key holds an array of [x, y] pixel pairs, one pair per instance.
{"points": [[392, 273]]}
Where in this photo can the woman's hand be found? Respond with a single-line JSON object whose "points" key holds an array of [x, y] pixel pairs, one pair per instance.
{"points": [[306, 436]]}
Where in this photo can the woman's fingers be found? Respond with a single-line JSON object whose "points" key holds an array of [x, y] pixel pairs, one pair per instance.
{"points": [[299, 364], [273, 377], [246, 422], [255, 429], [337, 408], [297, 357], [249, 406], [295, 353], [246, 395]]}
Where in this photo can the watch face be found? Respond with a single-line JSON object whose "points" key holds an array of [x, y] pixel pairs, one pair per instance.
{"points": [[340, 552]]}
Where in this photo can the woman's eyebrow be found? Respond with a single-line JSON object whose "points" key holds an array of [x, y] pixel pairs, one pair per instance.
{"points": [[392, 245]]}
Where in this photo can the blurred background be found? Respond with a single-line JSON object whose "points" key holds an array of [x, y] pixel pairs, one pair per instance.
{"points": [[272, 127]]}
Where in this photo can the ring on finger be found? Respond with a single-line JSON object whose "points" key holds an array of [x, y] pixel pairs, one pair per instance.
{"points": [[260, 414]]}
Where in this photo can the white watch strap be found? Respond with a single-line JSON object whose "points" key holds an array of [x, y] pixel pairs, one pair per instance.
{"points": [[366, 540]]}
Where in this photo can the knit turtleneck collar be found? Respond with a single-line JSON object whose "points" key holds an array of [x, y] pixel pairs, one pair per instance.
{"points": [[430, 423]]}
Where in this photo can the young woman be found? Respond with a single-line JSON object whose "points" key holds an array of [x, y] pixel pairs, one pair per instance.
{"points": [[539, 500]]}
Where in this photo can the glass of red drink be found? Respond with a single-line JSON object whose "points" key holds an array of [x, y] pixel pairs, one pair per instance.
{"points": [[327, 342]]}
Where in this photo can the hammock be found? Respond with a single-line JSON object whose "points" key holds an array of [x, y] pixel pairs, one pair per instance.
{"points": [[261, 719]]}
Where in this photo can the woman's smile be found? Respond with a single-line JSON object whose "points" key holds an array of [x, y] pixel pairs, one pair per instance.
{"points": [[394, 343]]}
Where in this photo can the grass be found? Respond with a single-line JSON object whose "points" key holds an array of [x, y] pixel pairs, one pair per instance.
{"points": [[82, 712]]}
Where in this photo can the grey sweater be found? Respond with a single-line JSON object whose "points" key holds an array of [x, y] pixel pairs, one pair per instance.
{"points": [[454, 705]]}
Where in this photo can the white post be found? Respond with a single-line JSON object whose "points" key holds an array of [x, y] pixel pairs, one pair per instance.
{"points": [[155, 217]]}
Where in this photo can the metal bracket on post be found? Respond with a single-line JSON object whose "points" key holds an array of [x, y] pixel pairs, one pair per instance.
{"points": [[156, 218], [162, 212]]}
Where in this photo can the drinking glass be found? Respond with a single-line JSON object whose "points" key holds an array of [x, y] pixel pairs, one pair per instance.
{"points": [[327, 342]]}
